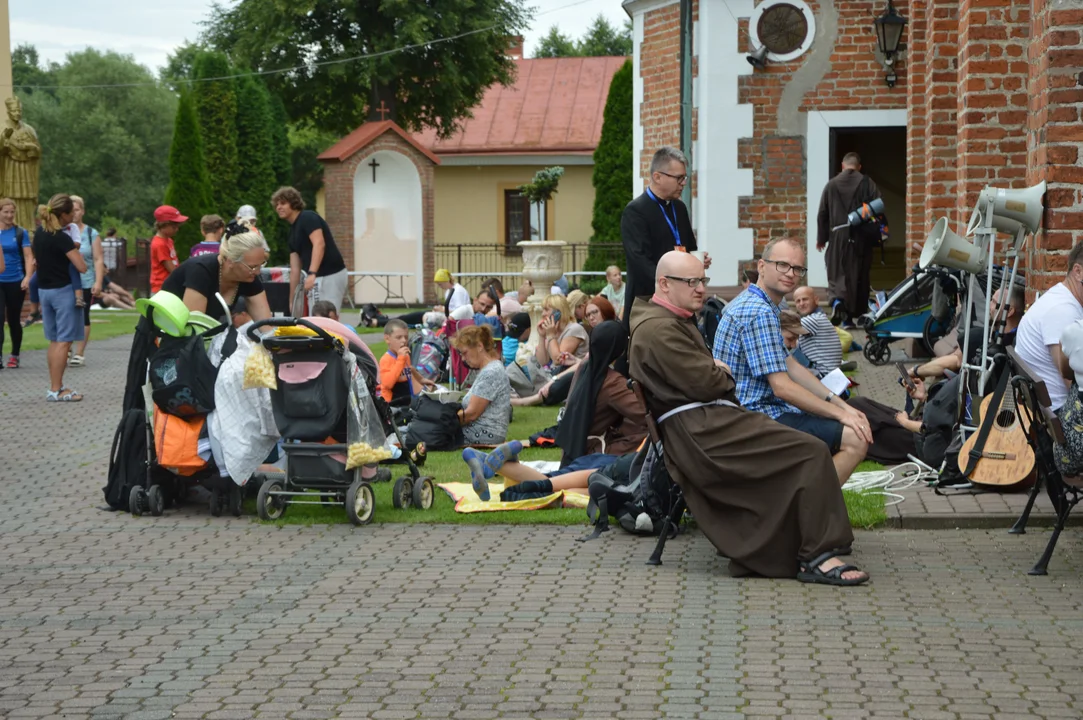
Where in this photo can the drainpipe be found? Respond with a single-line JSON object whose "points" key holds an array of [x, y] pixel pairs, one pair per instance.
{"points": [[686, 93]]}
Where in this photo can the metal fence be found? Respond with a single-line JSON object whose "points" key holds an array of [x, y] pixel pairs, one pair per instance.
{"points": [[471, 263], [130, 272]]}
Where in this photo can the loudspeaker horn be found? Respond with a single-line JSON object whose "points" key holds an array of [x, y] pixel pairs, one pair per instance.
{"points": [[946, 249], [1018, 206], [758, 58]]}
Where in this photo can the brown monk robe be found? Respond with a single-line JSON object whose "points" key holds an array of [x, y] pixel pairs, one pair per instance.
{"points": [[765, 495]]}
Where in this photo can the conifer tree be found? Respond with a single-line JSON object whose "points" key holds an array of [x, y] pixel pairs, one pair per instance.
{"points": [[216, 107], [189, 186]]}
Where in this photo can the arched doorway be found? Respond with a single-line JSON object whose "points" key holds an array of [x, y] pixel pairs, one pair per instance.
{"points": [[388, 224]]}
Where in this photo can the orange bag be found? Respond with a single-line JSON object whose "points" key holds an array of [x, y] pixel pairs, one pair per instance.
{"points": [[176, 443]]}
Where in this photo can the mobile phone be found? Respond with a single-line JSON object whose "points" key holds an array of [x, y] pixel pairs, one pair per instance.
{"points": [[905, 376], [556, 316]]}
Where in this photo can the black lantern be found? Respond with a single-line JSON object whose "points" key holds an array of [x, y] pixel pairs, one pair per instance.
{"points": [[889, 32]]}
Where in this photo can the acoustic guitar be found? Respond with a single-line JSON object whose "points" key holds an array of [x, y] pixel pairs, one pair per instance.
{"points": [[1007, 458]]}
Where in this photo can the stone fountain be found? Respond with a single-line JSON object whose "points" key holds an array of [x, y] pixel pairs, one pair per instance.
{"points": [[543, 264]]}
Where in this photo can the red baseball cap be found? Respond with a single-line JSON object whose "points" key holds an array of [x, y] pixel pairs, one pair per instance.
{"points": [[168, 213]]}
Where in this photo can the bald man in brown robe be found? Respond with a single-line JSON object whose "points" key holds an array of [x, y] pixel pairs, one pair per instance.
{"points": [[765, 495]]}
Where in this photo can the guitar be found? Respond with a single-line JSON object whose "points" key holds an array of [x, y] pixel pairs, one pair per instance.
{"points": [[1007, 458]]}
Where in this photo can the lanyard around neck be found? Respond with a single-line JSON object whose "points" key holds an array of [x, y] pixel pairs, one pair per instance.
{"points": [[672, 223]]}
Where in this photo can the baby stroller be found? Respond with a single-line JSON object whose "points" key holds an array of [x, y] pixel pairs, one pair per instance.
{"points": [[311, 407], [922, 306]]}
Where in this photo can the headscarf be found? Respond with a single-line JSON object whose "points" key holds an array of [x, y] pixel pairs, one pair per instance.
{"points": [[607, 343]]}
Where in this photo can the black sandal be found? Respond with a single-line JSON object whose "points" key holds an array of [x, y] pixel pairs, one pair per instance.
{"points": [[810, 572]]}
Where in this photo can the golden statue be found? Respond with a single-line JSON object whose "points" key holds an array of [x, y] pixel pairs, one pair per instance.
{"points": [[20, 164]]}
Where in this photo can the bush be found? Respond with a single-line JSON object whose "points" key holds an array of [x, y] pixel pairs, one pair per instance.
{"points": [[189, 187], [216, 108], [613, 165]]}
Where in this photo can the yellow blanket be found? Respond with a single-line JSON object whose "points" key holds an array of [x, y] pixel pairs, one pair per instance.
{"points": [[467, 501]]}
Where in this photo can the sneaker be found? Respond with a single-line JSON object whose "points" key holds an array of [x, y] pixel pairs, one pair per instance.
{"points": [[13, 361]]}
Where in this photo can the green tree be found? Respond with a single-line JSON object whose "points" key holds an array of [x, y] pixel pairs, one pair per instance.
{"points": [[255, 146], [108, 144], [189, 185], [433, 84], [179, 70], [612, 177], [216, 108], [603, 40], [278, 231], [555, 45], [27, 74]]}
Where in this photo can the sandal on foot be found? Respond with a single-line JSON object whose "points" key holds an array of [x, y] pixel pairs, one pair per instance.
{"points": [[34, 317], [63, 395], [810, 572], [76, 361], [475, 461]]}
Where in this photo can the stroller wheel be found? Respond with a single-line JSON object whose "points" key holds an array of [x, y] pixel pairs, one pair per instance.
{"points": [[137, 501], [216, 503], [269, 506], [156, 500], [877, 352], [236, 498], [360, 502], [422, 494], [403, 492]]}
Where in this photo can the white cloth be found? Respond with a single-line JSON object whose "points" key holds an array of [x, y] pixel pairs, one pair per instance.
{"points": [[1042, 326], [463, 312], [1071, 344], [242, 426], [456, 297]]}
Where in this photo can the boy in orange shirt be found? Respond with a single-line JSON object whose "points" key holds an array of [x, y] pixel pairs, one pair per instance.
{"points": [[163, 257], [399, 381]]}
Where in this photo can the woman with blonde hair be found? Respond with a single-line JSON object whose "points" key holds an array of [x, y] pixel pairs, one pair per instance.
{"points": [[563, 341], [577, 303], [233, 272], [16, 267], [56, 254], [90, 247]]}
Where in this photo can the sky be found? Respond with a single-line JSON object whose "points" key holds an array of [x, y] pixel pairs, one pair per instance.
{"points": [[150, 30]]}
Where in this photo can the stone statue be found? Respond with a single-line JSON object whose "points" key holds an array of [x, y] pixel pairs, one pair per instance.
{"points": [[20, 164]]}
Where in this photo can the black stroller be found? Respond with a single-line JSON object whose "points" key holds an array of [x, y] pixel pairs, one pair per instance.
{"points": [[311, 405]]}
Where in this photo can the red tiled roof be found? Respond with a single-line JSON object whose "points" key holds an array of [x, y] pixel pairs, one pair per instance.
{"points": [[555, 106], [362, 136]]}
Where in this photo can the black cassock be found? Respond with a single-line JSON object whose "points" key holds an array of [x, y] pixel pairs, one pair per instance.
{"points": [[646, 237]]}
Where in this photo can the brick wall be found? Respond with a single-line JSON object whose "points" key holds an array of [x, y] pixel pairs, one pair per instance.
{"points": [[338, 186], [916, 89], [1055, 133], [660, 69]]}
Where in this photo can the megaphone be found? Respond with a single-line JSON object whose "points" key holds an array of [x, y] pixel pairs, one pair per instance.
{"points": [[758, 58], [946, 249], [1011, 209]]}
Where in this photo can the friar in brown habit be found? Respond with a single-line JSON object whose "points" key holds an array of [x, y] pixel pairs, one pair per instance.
{"points": [[765, 495]]}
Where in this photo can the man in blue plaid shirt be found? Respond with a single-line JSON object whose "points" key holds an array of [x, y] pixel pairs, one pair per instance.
{"points": [[749, 341]]}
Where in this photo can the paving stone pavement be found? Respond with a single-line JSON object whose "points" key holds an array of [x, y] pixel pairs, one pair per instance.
{"points": [[187, 616]]}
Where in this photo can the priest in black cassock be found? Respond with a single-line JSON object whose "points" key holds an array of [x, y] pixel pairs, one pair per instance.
{"points": [[655, 223]]}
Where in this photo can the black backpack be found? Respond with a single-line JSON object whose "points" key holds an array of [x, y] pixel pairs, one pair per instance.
{"points": [[434, 423], [641, 504], [709, 319], [128, 459], [182, 375]]}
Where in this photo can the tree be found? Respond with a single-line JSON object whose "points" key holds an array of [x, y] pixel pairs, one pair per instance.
{"points": [[540, 191], [603, 40], [421, 82], [612, 178], [216, 107], [600, 40], [179, 70], [27, 75], [255, 144], [555, 45], [189, 185], [282, 162], [108, 144]]}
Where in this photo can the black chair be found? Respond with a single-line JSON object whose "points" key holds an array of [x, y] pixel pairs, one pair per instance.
{"points": [[671, 523], [1043, 429]]}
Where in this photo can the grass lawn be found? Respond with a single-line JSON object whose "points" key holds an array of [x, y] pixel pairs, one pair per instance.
{"points": [[865, 510], [104, 324]]}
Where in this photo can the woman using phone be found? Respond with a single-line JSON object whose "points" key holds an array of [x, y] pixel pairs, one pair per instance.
{"points": [[563, 341]]}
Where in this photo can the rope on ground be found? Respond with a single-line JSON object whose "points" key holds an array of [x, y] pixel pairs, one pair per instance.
{"points": [[888, 482]]}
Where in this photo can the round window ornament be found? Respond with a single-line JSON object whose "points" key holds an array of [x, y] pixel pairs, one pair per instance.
{"points": [[784, 27]]}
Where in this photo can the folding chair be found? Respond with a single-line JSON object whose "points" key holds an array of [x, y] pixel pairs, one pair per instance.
{"points": [[1044, 429], [671, 523]]}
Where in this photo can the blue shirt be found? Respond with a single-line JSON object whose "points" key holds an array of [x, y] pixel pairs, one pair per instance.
{"points": [[510, 346], [13, 255], [749, 340], [86, 248]]}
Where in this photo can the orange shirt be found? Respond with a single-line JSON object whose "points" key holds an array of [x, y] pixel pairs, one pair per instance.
{"points": [[161, 251], [393, 370]]}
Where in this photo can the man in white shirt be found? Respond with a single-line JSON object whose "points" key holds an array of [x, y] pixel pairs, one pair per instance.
{"points": [[455, 295], [1039, 336]]}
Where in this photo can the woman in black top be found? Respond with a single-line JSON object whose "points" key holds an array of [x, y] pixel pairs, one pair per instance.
{"points": [[233, 272], [55, 254]]}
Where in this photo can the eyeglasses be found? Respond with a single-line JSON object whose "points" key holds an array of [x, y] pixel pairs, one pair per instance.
{"points": [[593, 311], [252, 269], [679, 178], [690, 282], [785, 267]]}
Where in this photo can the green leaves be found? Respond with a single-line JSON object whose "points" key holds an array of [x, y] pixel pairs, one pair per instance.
{"points": [[613, 165], [543, 186], [189, 185], [600, 40]]}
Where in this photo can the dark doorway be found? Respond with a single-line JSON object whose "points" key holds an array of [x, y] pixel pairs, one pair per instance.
{"points": [[883, 158]]}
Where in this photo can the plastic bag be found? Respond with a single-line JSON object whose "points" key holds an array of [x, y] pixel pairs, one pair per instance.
{"points": [[259, 369], [366, 442]]}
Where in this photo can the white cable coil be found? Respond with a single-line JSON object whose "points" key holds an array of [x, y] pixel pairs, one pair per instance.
{"points": [[892, 480]]}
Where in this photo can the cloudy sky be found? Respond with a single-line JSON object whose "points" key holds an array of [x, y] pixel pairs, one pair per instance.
{"points": [[150, 30]]}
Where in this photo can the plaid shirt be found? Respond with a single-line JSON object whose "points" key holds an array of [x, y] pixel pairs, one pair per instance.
{"points": [[749, 340]]}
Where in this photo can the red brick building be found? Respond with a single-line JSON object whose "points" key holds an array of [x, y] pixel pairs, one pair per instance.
{"points": [[987, 92]]}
